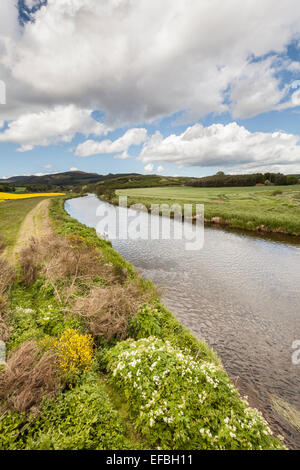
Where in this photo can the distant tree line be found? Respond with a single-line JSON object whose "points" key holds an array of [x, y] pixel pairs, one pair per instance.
{"points": [[7, 188], [39, 188], [222, 180], [50, 188], [104, 191]]}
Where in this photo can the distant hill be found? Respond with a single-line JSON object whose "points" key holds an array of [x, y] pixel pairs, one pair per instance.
{"points": [[72, 178], [135, 180], [143, 181]]}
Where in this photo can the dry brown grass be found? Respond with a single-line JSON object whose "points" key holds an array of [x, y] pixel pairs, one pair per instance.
{"points": [[108, 310], [29, 261], [5, 329], [67, 262], [2, 245], [7, 278], [27, 379]]}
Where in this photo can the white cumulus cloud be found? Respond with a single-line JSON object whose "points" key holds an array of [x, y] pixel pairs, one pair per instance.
{"points": [[138, 60], [224, 146], [131, 137], [256, 90], [51, 127], [149, 168]]}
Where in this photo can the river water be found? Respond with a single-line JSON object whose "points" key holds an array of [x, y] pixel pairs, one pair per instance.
{"points": [[240, 294]]}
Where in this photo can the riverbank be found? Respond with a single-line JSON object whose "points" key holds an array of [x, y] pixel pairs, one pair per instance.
{"points": [[274, 209], [130, 376]]}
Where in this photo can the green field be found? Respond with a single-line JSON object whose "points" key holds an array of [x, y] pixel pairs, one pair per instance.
{"points": [[12, 214], [277, 208]]}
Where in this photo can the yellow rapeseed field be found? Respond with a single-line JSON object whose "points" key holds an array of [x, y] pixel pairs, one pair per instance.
{"points": [[5, 196]]}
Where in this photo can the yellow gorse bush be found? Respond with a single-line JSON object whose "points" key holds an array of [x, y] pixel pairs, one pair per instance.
{"points": [[74, 351], [6, 196]]}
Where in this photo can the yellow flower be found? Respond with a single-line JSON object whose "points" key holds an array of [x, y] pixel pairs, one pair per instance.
{"points": [[7, 196], [74, 351]]}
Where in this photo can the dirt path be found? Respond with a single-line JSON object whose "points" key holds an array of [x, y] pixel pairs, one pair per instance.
{"points": [[36, 224]]}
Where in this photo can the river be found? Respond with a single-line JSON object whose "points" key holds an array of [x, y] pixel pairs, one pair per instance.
{"points": [[240, 294]]}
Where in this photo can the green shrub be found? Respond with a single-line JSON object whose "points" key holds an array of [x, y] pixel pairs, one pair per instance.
{"points": [[81, 418], [147, 323], [11, 425], [157, 320], [180, 403], [25, 328], [35, 313]]}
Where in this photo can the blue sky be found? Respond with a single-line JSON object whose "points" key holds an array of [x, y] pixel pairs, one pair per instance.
{"points": [[112, 87]]}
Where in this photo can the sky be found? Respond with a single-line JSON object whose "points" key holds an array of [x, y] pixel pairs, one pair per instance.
{"points": [[173, 87]]}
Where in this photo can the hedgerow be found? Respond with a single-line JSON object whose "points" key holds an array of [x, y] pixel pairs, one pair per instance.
{"points": [[181, 403]]}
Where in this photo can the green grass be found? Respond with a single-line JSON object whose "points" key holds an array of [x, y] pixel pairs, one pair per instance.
{"points": [[20, 189], [246, 208], [12, 214], [83, 418]]}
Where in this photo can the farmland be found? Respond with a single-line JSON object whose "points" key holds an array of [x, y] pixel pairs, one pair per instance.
{"points": [[268, 208], [12, 196]]}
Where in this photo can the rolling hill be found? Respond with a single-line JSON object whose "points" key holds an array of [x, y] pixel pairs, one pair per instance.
{"points": [[57, 179]]}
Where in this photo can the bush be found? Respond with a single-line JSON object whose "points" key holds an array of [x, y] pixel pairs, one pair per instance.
{"points": [[11, 424], [180, 403], [109, 310], [27, 379], [67, 264], [156, 320], [46, 318], [74, 352], [80, 419], [24, 327], [66, 225]]}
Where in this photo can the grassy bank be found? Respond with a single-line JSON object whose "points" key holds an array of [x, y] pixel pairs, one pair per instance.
{"points": [[270, 209], [12, 214], [97, 362]]}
